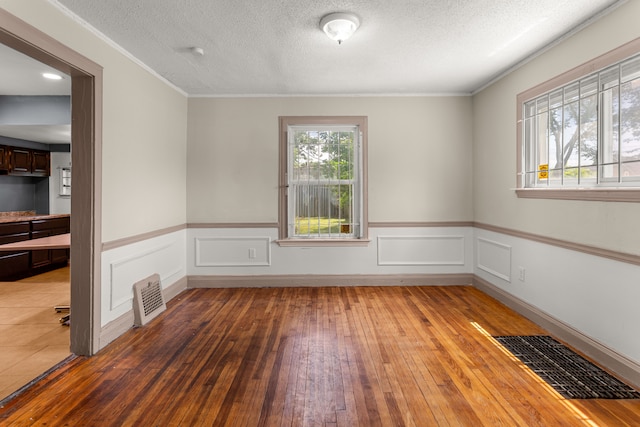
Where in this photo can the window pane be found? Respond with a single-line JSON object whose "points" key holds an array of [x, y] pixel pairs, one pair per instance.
{"points": [[543, 145], [555, 138], [542, 179], [630, 171], [529, 109], [530, 163], [338, 162], [322, 182], [555, 99], [542, 104], [555, 178], [609, 173], [570, 176], [630, 121], [323, 210], [571, 92], [630, 69], [609, 127], [570, 134], [530, 179], [589, 86], [588, 175], [609, 78], [589, 130]]}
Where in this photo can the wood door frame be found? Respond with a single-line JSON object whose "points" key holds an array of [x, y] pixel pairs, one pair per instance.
{"points": [[86, 157]]}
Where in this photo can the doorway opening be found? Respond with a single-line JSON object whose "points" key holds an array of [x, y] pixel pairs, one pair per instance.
{"points": [[86, 139]]}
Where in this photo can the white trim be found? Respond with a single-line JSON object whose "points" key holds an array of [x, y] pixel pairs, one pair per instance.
{"points": [[457, 261], [115, 328], [248, 262], [123, 323], [173, 290], [626, 368], [320, 280], [114, 265], [487, 268], [578, 247], [338, 95]]}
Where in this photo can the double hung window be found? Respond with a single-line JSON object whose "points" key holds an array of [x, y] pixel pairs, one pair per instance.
{"points": [[322, 176]]}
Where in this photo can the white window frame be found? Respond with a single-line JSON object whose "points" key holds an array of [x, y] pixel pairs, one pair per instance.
{"points": [[606, 192], [360, 237]]}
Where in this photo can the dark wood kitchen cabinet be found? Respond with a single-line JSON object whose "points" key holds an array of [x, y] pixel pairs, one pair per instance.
{"points": [[40, 163], [44, 228], [4, 158], [14, 264], [28, 162], [19, 264], [20, 161]]}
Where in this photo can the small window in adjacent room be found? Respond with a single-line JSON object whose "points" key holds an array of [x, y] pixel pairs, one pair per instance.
{"points": [[65, 181], [322, 180], [579, 134]]}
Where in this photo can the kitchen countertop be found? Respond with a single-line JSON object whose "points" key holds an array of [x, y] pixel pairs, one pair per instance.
{"points": [[59, 241], [8, 217]]}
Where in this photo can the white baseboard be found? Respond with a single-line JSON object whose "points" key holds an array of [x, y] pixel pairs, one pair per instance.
{"points": [[282, 281], [170, 292], [115, 328], [122, 324], [626, 369]]}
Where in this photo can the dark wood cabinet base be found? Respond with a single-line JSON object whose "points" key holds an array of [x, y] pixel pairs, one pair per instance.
{"points": [[20, 264]]}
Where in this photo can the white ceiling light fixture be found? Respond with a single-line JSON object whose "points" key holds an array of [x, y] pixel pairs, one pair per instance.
{"points": [[52, 76], [339, 26], [197, 51]]}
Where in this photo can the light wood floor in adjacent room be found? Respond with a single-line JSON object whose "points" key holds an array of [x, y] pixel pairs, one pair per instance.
{"points": [[397, 356], [32, 340]]}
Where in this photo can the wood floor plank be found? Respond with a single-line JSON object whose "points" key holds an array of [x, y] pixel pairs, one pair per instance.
{"points": [[337, 357]]}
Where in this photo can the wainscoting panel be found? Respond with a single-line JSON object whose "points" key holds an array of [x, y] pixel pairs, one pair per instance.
{"points": [[232, 251], [421, 250], [494, 258], [125, 265], [125, 270], [393, 250], [588, 301]]}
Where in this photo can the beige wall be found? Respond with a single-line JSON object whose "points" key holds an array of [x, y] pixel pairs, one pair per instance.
{"points": [[419, 156], [608, 225], [420, 166], [144, 130]]}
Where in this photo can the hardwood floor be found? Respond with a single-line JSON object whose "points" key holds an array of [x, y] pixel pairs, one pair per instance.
{"points": [[397, 356]]}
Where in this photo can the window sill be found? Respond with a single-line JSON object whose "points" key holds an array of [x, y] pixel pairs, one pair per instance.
{"points": [[323, 242], [586, 194]]}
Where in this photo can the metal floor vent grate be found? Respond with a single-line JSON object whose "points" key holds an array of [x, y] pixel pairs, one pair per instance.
{"points": [[568, 373], [147, 300]]}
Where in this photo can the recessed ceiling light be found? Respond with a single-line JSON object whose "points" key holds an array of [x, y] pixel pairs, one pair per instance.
{"points": [[52, 76]]}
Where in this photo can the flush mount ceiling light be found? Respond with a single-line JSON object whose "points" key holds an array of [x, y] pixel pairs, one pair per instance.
{"points": [[339, 26], [52, 76], [197, 51]]}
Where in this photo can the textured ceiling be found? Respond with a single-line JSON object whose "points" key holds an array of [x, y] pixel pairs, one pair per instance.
{"points": [[275, 47]]}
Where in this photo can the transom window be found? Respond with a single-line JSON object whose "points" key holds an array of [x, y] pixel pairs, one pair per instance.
{"points": [[322, 178], [581, 131]]}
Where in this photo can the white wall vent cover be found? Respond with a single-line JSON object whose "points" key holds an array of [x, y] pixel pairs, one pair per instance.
{"points": [[147, 300]]}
